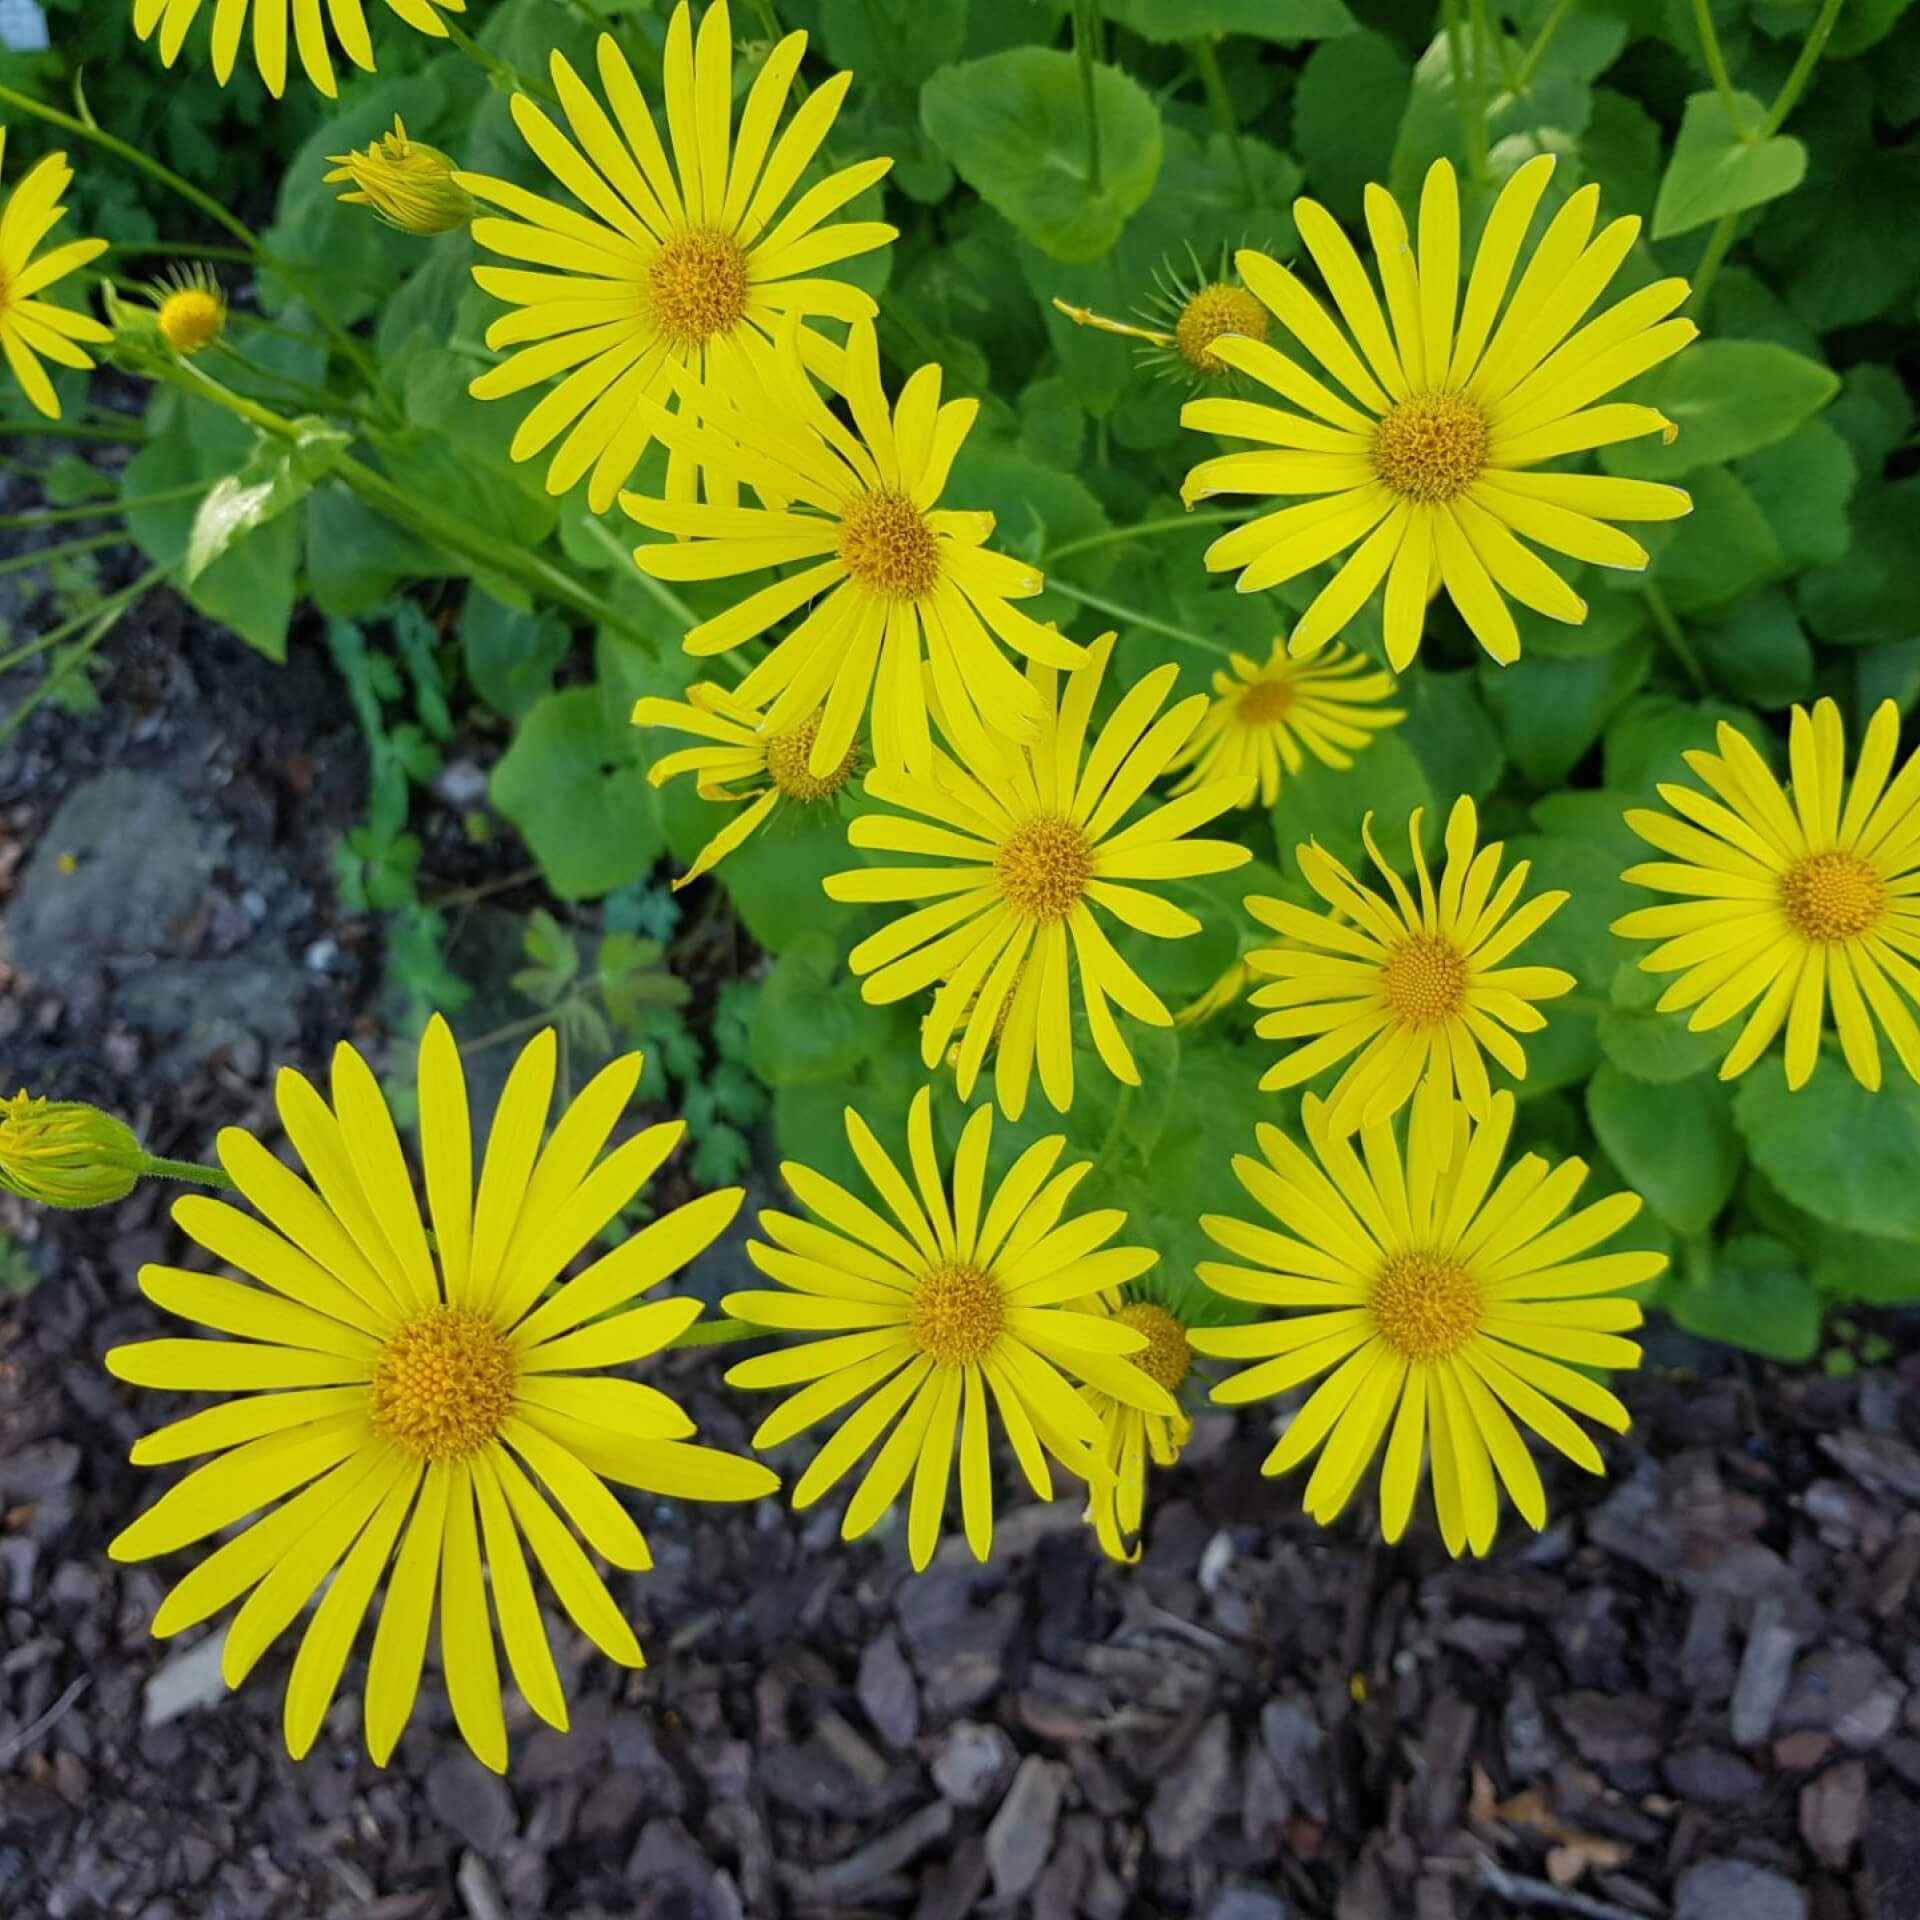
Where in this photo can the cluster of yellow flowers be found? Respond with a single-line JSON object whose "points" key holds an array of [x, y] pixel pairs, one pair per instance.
{"points": [[432, 1400]]}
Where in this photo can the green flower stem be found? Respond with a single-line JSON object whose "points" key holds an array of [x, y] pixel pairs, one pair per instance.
{"points": [[1085, 29], [105, 619], [1114, 609], [1795, 83], [1113, 536], [503, 73], [191, 1170], [717, 1333], [124, 503], [448, 529], [1719, 241], [349, 348], [1717, 65], [122, 597], [1675, 636], [131, 433], [92, 543], [1206, 63], [1530, 65], [1466, 94]]}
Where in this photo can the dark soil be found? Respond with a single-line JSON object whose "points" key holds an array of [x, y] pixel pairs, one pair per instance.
{"points": [[1697, 1695]]}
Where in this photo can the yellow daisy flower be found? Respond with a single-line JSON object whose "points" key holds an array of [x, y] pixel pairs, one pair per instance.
{"points": [[1116, 1505], [1435, 1302], [742, 750], [896, 579], [1019, 854], [671, 269], [409, 184], [1430, 472], [311, 18], [959, 1298], [33, 329], [1193, 311], [392, 1393], [1415, 989], [1263, 716], [1791, 901]]}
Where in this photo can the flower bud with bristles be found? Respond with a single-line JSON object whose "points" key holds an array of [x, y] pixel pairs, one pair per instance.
{"points": [[63, 1153], [189, 308], [407, 183]]}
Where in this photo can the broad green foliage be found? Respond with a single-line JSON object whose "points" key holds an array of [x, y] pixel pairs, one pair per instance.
{"points": [[1797, 574]]}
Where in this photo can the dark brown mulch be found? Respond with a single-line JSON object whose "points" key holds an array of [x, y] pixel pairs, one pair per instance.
{"points": [[1697, 1696]]}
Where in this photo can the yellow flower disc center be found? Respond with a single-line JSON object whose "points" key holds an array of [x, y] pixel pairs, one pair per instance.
{"points": [[1044, 866], [887, 546], [1265, 703], [1168, 1357], [787, 763], [1431, 446], [1833, 896], [697, 286], [1214, 310], [442, 1385], [956, 1314], [191, 319], [1424, 1305], [1424, 980]]}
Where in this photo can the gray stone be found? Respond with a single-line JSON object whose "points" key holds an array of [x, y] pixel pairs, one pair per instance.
{"points": [[1248, 1903], [888, 1694], [115, 876], [185, 1681], [1736, 1890], [1192, 1793], [471, 1802], [973, 1763], [1020, 1837]]}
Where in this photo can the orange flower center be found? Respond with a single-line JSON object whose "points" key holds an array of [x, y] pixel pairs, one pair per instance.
{"points": [[443, 1384], [697, 286], [1264, 703], [956, 1314], [1214, 310], [1168, 1357], [1425, 1305], [787, 764], [1833, 896], [1424, 980], [888, 548], [1431, 446], [1044, 866]]}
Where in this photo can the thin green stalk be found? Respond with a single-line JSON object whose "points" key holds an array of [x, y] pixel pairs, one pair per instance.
{"points": [[497, 69], [134, 430], [1117, 610], [43, 556], [715, 1333], [1530, 65], [1711, 255], [122, 503], [1795, 83], [186, 1170], [123, 597], [1206, 62], [1487, 47], [103, 624], [1114, 536], [1717, 65], [1675, 636], [1085, 28], [181, 250], [1466, 94]]}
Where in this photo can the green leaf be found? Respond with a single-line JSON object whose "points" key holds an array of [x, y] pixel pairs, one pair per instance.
{"points": [[1754, 1295], [570, 784], [893, 43], [1346, 106], [1675, 1143], [1727, 397], [355, 557], [1871, 594], [1327, 804], [1845, 1155], [1014, 128], [510, 656], [1804, 486], [1758, 651], [1284, 20], [1723, 549], [1648, 737], [1718, 167], [809, 1021], [553, 955], [1452, 734], [1551, 711], [1650, 1045]]}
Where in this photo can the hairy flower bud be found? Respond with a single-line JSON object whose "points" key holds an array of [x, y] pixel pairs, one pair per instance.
{"points": [[408, 184], [63, 1153]]}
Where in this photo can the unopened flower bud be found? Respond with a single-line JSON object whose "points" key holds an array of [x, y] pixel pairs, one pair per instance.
{"points": [[408, 184], [63, 1153]]}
